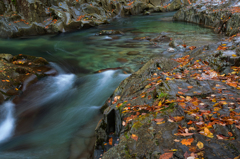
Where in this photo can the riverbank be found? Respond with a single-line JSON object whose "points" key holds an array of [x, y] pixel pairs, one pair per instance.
{"points": [[181, 108], [25, 18], [184, 107]]}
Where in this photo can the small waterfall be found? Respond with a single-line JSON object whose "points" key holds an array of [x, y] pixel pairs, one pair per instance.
{"points": [[7, 124]]}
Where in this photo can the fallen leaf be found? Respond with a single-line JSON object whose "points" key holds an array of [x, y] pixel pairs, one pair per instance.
{"points": [[134, 137], [110, 141], [176, 140], [158, 120], [182, 104], [200, 145], [190, 87], [191, 128], [187, 141], [178, 118], [167, 155], [207, 133]]}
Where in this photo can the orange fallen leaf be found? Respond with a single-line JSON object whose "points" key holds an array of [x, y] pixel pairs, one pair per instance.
{"points": [[110, 141], [190, 87], [192, 47], [134, 137], [182, 104], [187, 141], [178, 118]]}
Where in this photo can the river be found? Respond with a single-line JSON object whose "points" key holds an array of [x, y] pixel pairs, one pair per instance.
{"points": [[72, 99]]}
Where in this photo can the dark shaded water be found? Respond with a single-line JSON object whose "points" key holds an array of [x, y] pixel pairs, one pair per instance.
{"points": [[73, 98]]}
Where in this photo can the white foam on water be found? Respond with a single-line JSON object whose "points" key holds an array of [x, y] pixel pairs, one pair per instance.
{"points": [[8, 123]]}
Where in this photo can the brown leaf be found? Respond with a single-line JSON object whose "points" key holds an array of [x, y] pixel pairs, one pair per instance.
{"points": [[167, 155], [158, 120]]}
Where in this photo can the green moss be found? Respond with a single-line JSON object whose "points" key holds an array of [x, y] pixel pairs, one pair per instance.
{"points": [[127, 153], [126, 135], [137, 125]]}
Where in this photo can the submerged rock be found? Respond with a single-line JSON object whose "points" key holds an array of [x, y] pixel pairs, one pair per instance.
{"points": [[133, 53], [110, 32]]}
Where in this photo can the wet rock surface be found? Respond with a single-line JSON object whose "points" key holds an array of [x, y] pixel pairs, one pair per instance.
{"points": [[184, 107], [221, 15], [20, 71], [24, 18]]}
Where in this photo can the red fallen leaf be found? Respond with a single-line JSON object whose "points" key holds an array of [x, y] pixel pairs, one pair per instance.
{"points": [[184, 45], [190, 122], [158, 120], [134, 137], [110, 141], [167, 155]]}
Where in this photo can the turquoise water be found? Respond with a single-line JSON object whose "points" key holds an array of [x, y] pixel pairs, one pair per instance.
{"points": [[71, 100]]}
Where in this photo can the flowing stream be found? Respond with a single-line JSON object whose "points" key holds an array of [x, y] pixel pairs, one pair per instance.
{"points": [[70, 101]]}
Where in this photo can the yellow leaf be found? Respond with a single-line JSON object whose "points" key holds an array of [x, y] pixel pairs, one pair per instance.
{"points": [[174, 150], [160, 103], [200, 145], [160, 122], [208, 133], [216, 104], [234, 55], [214, 100]]}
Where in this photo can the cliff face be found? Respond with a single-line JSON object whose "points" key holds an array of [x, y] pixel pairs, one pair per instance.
{"points": [[221, 15], [37, 17]]}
